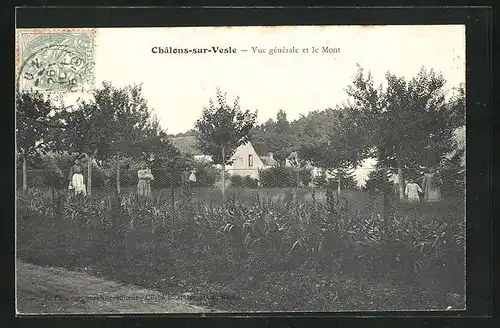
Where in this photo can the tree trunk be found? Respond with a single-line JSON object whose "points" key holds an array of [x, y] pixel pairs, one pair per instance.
{"points": [[338, 184], [25, 174], [223, 177], [385, 204], [172, 191], [89, 176], [313, 192], [401, 184], [118, 179], [172, 199]]}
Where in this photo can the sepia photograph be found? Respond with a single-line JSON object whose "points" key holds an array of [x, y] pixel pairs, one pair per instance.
{"points": [[240, 169]]}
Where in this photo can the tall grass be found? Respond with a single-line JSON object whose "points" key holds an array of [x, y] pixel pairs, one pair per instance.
{"points": [[259, 240]]}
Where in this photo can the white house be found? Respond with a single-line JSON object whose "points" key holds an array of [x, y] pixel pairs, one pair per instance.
{"points": [[360, 173], [245, 160]]}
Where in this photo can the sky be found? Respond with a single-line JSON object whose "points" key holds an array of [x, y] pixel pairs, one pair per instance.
{"points": [[177, 86]]}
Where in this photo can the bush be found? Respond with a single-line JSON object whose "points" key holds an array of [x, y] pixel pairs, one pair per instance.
{"points": [[281, 177], [236, 181], [100, 178], [247, 182], [206, 175], [52, 170], [163, 178], [320, 181], [378, 180], [305, 177], [453, 176]]}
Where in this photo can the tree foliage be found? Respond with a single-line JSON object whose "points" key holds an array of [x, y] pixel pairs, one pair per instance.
{"points": [[378, 180], [190, 132], [282, 124], [110, 124], [343, 148], [158, 150], [408, 123], [275, 137], [346, 178], [223, 128], [34, 117]]}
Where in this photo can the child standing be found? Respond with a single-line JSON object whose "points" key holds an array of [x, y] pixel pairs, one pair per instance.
{"points": [[412, 191]]}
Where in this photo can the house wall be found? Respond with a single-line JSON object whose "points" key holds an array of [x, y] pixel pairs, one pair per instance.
{"points": [[289, 163], [240, 164], [315, 172]]}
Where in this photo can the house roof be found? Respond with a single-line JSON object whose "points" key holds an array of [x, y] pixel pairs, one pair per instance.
{"points": [[268, 161], [293, 155], [187, 145], [309, 166]]}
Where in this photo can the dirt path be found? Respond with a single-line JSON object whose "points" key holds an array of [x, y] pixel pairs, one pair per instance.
{"points": [[47, 290]]}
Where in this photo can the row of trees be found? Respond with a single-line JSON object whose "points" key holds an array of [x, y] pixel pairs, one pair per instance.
{"points": [[114, 127], [407, 124], [117, 126]]}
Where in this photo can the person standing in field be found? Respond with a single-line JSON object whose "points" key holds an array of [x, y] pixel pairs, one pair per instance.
{"points": [[144, 185], [431, 184], [192, 179], [412, 191], [76, 179]]}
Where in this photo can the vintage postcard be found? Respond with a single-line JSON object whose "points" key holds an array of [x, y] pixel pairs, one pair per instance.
{"points": [[240, 169]]}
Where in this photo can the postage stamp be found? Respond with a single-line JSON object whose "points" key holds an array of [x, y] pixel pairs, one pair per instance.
{"points": [[55, 60]]}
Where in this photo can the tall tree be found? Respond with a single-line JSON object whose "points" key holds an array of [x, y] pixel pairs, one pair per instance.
{"points": [[343, 179], [108, 126], [408, 121], [453, 164], [190, 132], [275, 137], [378, 180], [282, 124], [344, 147], [159, 150], [33, 123], [223, 128], [457, 106]]}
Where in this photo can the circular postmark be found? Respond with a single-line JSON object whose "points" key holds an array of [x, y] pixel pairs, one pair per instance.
{"points": [[57, 62]]}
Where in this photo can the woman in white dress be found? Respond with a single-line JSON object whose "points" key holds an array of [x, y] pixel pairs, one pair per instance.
{"points": [[412, 191], [144, 185], [76, 179]]}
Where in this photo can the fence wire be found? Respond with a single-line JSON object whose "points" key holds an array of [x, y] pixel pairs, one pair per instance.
{"points": [[206, 176]]}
